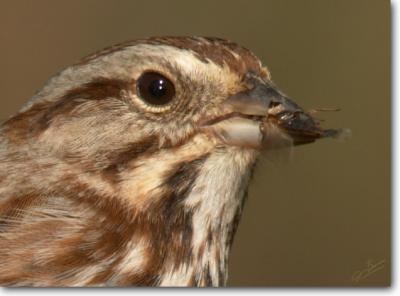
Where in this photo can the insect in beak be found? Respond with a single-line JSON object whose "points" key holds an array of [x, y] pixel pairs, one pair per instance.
{"points": [[263, 118]]}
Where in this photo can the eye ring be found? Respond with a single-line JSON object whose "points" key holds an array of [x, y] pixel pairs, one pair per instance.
{"points": [[155, 89]]}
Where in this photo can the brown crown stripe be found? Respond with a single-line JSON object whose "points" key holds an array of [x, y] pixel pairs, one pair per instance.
{"points": [[214, 49]]}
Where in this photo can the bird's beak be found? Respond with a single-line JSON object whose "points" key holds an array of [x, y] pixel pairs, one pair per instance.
{"points": [[262, 118]]}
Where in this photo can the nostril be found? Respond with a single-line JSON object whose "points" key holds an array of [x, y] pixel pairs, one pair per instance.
{"points": [[273, 104], [275, 108]]}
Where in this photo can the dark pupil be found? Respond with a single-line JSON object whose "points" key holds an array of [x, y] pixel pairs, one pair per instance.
{"points": [[158, 88], [155, 89]]}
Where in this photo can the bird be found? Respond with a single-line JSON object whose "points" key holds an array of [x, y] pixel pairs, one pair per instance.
{"points": [[131, 167]]}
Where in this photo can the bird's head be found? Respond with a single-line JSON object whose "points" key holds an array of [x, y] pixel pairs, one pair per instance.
{"points": [[164, 92], [169, 99]]}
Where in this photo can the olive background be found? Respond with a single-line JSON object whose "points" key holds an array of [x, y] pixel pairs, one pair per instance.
{"points": [[314, 220]]}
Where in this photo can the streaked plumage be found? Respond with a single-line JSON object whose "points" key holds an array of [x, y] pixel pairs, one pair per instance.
{"points": [[99, 188]]}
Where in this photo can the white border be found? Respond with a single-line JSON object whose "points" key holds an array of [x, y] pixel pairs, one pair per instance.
{"points": [[395, 144]]}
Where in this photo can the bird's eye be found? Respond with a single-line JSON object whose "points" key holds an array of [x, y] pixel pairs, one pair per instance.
{"points": [[155, 89]]}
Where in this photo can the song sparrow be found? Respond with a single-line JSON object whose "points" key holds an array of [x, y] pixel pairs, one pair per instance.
{"points": [[131, 166]]}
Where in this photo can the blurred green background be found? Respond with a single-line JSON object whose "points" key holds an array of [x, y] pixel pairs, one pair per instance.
{"points": [[315, 220]]}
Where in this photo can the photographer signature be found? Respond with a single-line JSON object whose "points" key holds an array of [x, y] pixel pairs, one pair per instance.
{"points": [[369, 270]]}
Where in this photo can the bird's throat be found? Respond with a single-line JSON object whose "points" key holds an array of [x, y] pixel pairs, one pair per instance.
{"points": [[215, 202]]}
